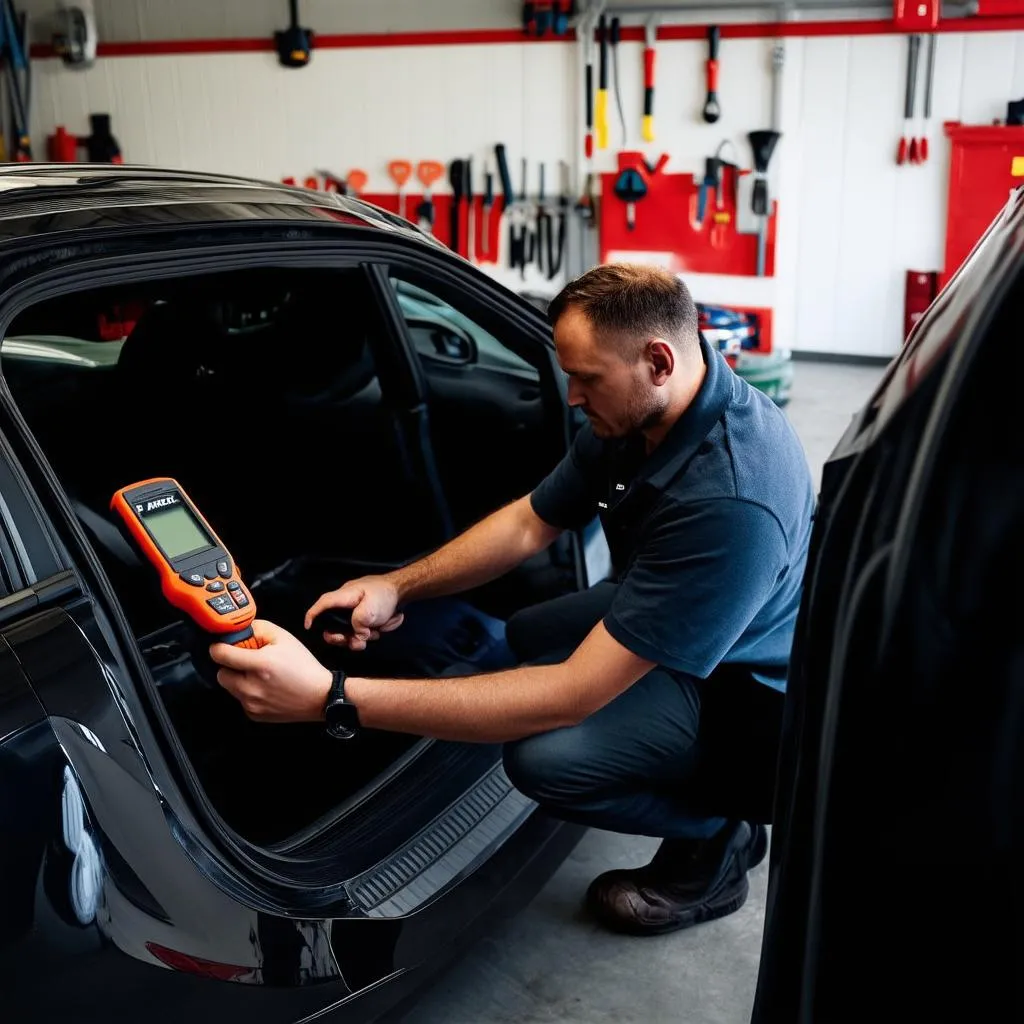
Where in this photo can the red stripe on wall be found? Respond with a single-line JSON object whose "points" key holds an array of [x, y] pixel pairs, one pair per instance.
{"points": [[471, 37]]}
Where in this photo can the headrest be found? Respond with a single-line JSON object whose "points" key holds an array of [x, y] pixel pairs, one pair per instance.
{"points": [[169, 345]]}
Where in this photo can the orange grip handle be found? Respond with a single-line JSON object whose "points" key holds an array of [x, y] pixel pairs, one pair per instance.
{"points": [[712, 76]]}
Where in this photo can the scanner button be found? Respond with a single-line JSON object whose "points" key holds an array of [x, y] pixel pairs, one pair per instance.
{"points": [[193, 578], [215, 587], [222, 605]]}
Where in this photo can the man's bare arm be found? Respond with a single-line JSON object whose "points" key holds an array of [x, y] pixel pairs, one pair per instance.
{"points": [[482, 553], [502, 706]]}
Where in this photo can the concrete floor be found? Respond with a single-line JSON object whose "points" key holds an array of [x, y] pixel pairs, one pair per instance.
{"points": [[552, 964]]}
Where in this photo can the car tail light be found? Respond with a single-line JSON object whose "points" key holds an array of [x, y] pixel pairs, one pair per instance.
{"points": [[196, 965]]}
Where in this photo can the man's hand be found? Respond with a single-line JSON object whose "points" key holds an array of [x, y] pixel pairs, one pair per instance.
{"points": [[280, 682], [374, 604]]}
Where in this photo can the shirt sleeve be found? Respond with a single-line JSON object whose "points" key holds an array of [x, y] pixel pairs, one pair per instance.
{"points": [[567, 497], [701, 574]]}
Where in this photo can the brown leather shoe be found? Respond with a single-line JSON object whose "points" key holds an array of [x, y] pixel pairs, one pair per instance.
{"points": [[687, 882]]}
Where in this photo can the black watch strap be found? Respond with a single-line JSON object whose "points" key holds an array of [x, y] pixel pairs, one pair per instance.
{"points": [[340, 713]]}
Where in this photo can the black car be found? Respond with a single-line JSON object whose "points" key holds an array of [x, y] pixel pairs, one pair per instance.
{"points": [[895, 891], [337, 393]]}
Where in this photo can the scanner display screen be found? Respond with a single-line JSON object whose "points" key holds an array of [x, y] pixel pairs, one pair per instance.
{"points": [[176, 531]]}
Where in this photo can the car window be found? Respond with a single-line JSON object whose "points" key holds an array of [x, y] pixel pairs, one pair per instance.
{"points": [[55, 348], [440, 331]]}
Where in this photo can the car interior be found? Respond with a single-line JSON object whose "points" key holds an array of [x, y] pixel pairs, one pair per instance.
{"points": [[325, 470]]}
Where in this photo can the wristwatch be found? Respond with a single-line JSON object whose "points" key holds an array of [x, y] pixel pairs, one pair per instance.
{"points": [[342, 716]]}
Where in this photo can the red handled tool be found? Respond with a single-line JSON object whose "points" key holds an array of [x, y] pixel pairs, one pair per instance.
{"points": [[907, 149], [401, 172], [712, 111], [588, 89], [650, 38]]}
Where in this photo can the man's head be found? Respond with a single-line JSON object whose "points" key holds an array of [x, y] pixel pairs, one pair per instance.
{"points": [[627, 337]]}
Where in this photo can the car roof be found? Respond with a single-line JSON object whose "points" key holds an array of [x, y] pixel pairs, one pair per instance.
{"points": [[46, 198]]}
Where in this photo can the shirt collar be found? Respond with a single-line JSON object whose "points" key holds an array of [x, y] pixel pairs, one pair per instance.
{"points": [[679, 444]]}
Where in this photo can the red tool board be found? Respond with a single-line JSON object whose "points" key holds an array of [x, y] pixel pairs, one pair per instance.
{"points": [[666, 223], [986, 165]]}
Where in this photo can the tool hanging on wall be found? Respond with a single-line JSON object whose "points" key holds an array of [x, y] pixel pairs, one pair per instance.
{"points": [[650, 40], [929, 77], [457, 181], [601, 105], [707, 185], [712, 110], [616, 38], [467, 191], [507, 194], [630, 187], [14, 54], [555, 265], [520, 235], [429, 173], [907, 149], [486, 205], [588, 88], [400, 172], [722, 215], [545, 242], [763, 144], [295, 43], [356, 181]]}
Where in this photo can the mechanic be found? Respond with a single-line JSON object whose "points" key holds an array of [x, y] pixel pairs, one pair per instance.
{"points": [[650, 704]]}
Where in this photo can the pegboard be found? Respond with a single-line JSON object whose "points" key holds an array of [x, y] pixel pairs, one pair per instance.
{"points": [[667, 225]]}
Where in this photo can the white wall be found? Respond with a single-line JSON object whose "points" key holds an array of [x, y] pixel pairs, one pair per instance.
{"points": [[131, 20], [851, 221]]}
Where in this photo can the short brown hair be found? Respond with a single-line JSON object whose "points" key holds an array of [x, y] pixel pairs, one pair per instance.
{"points": [[629, 298]]}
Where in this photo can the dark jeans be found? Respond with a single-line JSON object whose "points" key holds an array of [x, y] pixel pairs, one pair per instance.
{"points": [[674, 756]]}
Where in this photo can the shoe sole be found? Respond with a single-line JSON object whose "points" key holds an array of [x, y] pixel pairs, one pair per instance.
{"points": [[723, 903], [759, 848]]}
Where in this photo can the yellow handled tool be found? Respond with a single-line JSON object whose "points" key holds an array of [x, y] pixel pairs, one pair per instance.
{"points": [[650, 36], [601, 105]]}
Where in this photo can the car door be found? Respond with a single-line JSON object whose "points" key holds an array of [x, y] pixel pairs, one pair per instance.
{"points": [[487, 413]]}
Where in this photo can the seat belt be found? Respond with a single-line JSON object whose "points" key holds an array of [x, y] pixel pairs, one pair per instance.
{"points": [[106, 535]]}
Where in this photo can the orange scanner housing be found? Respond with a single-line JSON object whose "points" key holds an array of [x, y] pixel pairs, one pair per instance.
{"points": [[198, 576]]}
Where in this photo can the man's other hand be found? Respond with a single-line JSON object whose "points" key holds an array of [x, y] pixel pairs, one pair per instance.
{"points": [[280, 682], [374, 604]]}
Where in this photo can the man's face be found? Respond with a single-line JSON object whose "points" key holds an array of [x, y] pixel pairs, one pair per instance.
{"points": [[619, 397]]}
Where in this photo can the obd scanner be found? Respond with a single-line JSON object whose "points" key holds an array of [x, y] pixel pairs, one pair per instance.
{"points": [[197, 574]]}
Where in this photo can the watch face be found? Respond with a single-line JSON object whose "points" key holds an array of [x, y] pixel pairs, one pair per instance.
{"points": [[342, 719]]}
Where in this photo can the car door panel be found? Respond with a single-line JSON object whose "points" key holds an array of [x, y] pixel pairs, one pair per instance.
{"points": [[474, 380]]}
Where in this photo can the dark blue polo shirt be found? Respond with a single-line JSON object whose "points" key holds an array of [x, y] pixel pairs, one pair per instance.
{"points": [[708, 534]]}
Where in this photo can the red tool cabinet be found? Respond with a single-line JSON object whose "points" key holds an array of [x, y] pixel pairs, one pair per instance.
{"points": [[986, 165]]}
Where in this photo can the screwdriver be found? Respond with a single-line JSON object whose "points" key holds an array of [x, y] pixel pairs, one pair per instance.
{"points": [[488, 202], [601, 107]]}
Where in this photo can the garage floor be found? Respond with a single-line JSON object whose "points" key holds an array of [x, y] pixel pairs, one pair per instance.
{"points": [[551, 964]]}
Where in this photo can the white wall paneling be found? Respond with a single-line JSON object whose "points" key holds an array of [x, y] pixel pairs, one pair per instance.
{"points": [[851, 221]]}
